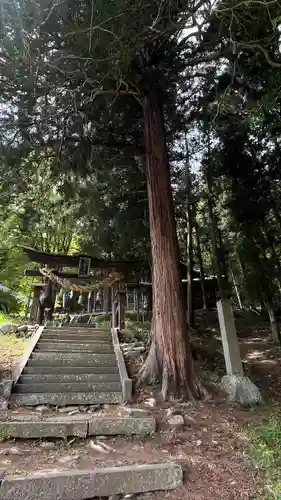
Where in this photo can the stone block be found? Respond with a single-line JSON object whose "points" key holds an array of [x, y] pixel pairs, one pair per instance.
{"points": [[99, 482], [52, 429], [240, 389], [126, 426]]}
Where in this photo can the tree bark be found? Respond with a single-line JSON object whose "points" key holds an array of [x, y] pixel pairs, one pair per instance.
{"points": [[273, 322], [137, 291], [246, 291], [189, 244], [215, 250], [271, 244], [170, 359], [201, 267], [189, 241], [235, 284]]}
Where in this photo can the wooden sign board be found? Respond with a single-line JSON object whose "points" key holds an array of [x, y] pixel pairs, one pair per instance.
{"points": [[84, 267]]}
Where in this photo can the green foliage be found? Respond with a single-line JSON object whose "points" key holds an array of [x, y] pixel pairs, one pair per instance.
{"points": [[9, 303], [6, 318], [265, 450], [141, 330], [102, 320], [71, 154]]}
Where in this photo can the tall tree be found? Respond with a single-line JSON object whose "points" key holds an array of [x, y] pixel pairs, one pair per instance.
{"points": [[70, 71]]}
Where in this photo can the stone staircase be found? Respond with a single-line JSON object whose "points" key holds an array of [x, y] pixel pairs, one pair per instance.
{"points": [[72, 365]]}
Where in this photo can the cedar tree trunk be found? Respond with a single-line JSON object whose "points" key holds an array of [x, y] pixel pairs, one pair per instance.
{"points": [[189, 251], [170, 359], [201, 266]]}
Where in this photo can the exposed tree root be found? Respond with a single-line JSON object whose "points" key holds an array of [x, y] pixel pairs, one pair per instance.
{"points": [[175, 385]]}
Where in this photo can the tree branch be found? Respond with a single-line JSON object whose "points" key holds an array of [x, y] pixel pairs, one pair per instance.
{"points": [[253, 46], [93, 142]]}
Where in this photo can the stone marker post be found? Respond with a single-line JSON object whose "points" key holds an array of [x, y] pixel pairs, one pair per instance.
{"points": [[238, 387], [229, 338]]}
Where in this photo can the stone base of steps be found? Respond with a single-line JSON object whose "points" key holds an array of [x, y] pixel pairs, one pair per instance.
{"points": [[82, 426], [98, 482], [83, 387], [59, 369], [64, 399]]}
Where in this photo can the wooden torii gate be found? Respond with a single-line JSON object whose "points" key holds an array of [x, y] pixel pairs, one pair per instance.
{"points": [[112, 274]]}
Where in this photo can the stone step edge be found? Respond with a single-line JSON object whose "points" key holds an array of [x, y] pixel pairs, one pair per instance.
{"points": [[68, 378], [76, 426], [81, 386], [98, 482], [65, 369], [65, 398]]}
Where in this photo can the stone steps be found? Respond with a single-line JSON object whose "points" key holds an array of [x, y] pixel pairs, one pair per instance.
{"points": [[66, 398], [72, 333], [70, 366], [93, 332], [57, 347], [84, 326], [72, 363], [125, 481], [76, 338], [79, 425], [60, 378], [66, 370], [74, 342], [23, 388], [72, 359]]}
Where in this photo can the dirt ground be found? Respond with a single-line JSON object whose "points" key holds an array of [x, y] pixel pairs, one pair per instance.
{"points": [[215, 448], [11, 348], [212, 447]]}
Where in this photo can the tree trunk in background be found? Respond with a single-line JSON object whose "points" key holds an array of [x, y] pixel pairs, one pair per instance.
{"points": [[170, 359], [271, 243], [273, 322], [246, 284], [216, 254], [201, 267], [189, 240], [189, 251], [234, 281], [138, 302]]}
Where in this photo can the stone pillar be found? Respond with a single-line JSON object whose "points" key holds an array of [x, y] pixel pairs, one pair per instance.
{"points": [[239, 389], [229, 338]]}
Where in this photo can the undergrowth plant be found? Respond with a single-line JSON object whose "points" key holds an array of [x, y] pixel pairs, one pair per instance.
{"points": [[265, 451]]}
